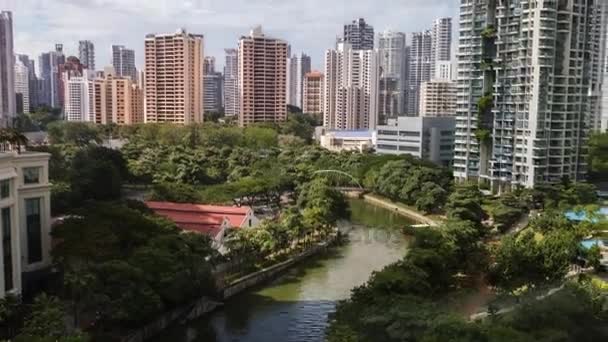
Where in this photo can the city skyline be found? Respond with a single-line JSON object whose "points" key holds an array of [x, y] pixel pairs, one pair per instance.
{"points": [[223, 23]]}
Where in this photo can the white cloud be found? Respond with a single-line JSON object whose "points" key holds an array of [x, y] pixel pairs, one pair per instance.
{"points": [[309, 25]]}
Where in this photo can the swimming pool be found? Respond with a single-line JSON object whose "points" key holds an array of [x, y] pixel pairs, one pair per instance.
{"points": [[587, 244], [580, 216]]}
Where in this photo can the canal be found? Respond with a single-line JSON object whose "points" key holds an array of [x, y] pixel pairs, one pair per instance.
{"points": [[295, 306]]}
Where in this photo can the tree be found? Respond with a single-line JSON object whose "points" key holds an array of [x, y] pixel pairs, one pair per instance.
{"points": [[77, 133], [96, 174], [594, 257], [46, 318], [465, 204], [598, 156]]}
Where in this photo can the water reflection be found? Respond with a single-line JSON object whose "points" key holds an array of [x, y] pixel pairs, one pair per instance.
{"points": [[295, 306]]}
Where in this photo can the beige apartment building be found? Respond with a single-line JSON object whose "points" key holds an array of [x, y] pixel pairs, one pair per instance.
{"points": [[438, 98], [115, 99], [262, 78], [312, 102], [174, 78]]}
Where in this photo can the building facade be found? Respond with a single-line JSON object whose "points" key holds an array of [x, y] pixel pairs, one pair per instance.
{"points": [[351, 88], [419, 70], [86, 53], [359, 35], [174, 78], [231, 83], [32, 79], [22, 87], [115, 99], [50, 77], [313, 94], [393, 82], [262, 78], [123, 61], [25, 211], [524, 112], [438, 98], [297, 68], [77, 104], [8, 105], [441, 43], [429, 138]]}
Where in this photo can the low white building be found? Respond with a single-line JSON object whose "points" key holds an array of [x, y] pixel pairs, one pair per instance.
{"points": [[430, 138], [25, 219], [337, 141]]}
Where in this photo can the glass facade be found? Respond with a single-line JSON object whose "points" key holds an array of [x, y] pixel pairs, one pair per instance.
{"points": [[34, 230], [7, 249]]}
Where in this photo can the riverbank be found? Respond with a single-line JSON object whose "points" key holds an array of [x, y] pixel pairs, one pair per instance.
{"points": [[402, 209]]}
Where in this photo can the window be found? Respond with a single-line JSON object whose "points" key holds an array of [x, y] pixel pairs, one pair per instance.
{"points": [[31, 175], [34, 230], [5, 189], [7, 248]]}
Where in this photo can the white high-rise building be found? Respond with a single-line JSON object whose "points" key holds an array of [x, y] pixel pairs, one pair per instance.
{"points": [[231, 83], [441, 43], [420, 65], [86, 53], [297, 68], [77, 92], [22, 87], [7, 70], [525, 76], [604, 85], [392, 56], [351, 88]]}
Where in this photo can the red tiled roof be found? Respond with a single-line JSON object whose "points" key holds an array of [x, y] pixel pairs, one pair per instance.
{"points": [[206, 219]]}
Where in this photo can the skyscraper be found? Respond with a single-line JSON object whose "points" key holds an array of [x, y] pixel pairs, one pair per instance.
{"points": [[32, 79], [524, 112], [116, 99], [123, 61], [22, 87], [297, 68], [420, 62], [213, 86], [50, 77], [441, 43], [174, 78], [262, 78], [86, 54], [313, 94], [359, 34], [7, 70], [77, 97], [351, 88], [392, 55], [231, 83]]}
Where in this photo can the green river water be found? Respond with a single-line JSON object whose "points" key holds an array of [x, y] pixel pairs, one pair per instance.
{"points": [[295, 306]]}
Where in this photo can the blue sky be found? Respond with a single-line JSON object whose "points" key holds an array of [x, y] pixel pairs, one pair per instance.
{"points": [[308, 25]]}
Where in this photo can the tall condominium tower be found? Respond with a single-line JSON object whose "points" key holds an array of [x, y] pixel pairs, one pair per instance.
{"points": [[213, 87], [297, 68], [7, 70], [174, 78], [351, 88], [392, 56], [313, 94], [438, 98], [86, 54], [50, 77], [231, 83], [420, 66], [123, 61], [359, 34], [524, 79], [604, 115], [77, 97], [22, 87], [441, 43], [115, 99], [262, 78], [32, 79]]}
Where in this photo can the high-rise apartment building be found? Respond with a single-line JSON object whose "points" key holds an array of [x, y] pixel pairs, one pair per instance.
{"points": [[7, 70], [32, 79], [438, 98], [313, 94], [392, 55], [441, 43], [524, 112], [115, 99], [351, 88], [213, 87], [420, 65], [22, 87], [77, 105], [231, 83], [174, 78], [297, 68], [262, 78], [123, 61], [50, 77], [359, 34], [86, 54], [603, 89]]}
